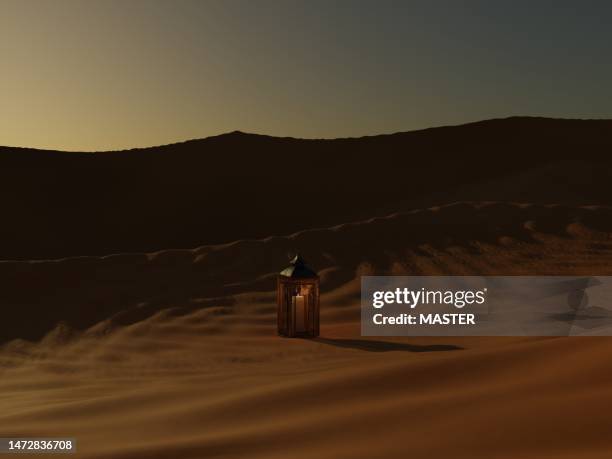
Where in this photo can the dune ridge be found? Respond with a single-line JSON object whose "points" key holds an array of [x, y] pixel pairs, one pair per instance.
{"points": [[459, 238], [245, 186]]}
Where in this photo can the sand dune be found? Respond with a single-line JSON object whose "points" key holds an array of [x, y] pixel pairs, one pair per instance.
{"points": [[461, 238], [174, 353], [235, 186]]}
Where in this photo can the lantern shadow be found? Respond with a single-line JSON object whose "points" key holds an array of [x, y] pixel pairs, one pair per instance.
{"points": [[385, 346]]}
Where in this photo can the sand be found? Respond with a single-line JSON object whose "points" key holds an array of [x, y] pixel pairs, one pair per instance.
{"points": [[174, 354]]}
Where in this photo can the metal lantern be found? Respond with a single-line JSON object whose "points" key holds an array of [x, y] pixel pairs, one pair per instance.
{"points": [[297, 299]]}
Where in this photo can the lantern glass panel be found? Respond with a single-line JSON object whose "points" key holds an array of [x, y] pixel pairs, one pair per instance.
{"points": [[298, 308]]}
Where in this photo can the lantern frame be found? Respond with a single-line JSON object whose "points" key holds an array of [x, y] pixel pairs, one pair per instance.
{"points": [[298, 281]]}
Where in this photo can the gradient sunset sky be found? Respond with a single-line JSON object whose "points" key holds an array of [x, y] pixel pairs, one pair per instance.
{"points": [[112, 74]]}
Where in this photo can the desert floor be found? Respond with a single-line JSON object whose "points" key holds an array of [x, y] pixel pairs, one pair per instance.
{"points": [[175, 355]]}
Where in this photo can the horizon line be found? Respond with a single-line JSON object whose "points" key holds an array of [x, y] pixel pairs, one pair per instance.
{"points": [[253, 134]]}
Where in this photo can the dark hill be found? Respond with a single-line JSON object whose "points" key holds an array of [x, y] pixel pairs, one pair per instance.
{"points": [[237, 185]]}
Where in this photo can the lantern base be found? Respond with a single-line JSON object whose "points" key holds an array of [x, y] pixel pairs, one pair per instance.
{"points": [[298, 335]]}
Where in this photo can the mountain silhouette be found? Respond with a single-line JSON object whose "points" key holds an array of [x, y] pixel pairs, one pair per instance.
{"points": [[238, 185]]}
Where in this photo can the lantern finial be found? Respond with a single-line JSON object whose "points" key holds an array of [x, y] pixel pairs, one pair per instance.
{"points": [[297, 260], [298, 269]]}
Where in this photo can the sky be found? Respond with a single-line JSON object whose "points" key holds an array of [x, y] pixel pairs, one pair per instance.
{"points": [[111, 74]]}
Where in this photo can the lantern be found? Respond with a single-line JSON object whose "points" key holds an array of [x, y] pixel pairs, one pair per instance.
{"points": [[297, 299]]}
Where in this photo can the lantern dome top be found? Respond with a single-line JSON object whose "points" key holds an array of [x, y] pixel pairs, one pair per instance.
{"points": [[298, 269]]}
